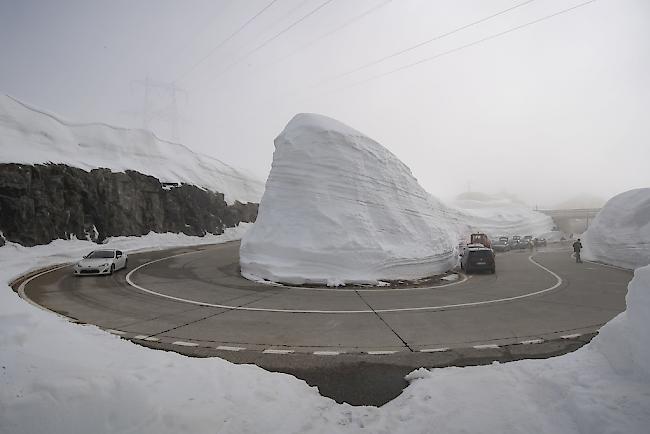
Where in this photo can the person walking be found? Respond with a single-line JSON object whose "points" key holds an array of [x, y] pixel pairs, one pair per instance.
{"points": [[577, 246]]}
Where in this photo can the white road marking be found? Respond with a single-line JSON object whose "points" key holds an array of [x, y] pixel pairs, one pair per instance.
{"points": [[380, 353], [575, 335], [326, 353], [485, 347], [270, 351], [141, 337], [116, 332], [405, 309], [151, 339], [532, 341], [434, 350], [185, 344], [227, 348]]}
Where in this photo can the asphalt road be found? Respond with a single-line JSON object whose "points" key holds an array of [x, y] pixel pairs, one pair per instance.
{"points": [[355, 344]]}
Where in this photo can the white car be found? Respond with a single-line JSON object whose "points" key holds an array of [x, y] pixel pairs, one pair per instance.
{"points": [[101, 262]]}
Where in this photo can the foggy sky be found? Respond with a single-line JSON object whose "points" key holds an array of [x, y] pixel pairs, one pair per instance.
{"points": [[553, 110]]}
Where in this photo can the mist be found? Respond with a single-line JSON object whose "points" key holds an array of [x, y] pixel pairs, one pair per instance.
{"points": [[553, 111]]}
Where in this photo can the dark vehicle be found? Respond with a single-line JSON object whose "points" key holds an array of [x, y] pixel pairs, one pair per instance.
{"points": [[478, 259], [528, 239], [539, 242], [516, 238], [501, 246], [504, 239]]}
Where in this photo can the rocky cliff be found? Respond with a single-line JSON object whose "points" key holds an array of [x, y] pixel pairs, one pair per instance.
{"points": [[40, 203]]}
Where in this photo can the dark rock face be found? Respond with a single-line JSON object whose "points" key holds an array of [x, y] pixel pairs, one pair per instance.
{"points": [[41, 203]]}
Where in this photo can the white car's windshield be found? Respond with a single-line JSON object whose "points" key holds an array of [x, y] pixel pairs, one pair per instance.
{"points": [[101, 254]]}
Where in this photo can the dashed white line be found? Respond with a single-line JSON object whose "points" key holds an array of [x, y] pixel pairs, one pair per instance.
{"points": [[185, 344], [271, 351], [327, 353], [575, 335], [116, 332], [532, 341], [380, 353], [141, 337], [151, 339], [485, 347], [434, 350], [227, 348]]}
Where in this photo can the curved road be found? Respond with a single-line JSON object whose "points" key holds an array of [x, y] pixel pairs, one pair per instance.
{"points": [[193, 301]]}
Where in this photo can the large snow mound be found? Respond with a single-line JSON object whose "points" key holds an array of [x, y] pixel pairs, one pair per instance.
{"points": [[620, 233], [31, 136], [501, 215], [339, 207]]}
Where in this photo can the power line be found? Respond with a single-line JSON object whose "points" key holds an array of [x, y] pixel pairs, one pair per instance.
{"points": [[272, 38], [462, 47], [420, 44], [335, 30], [228, 38]]}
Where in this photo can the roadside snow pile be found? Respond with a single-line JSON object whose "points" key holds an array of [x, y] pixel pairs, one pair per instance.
{"points": [[339, 208], [30, 136], [59, 377], [620, 233], [498, 216]]}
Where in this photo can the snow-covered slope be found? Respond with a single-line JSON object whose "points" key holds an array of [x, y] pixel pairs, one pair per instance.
{"points": [[620, 233], [31, 136], [501, 216], [338, 207]]}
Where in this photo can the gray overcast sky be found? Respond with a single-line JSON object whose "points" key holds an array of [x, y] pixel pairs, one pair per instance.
{"points": [[552, 110]]}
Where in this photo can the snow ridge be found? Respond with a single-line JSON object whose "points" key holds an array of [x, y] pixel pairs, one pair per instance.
{"points": [[620, 233], [33, 136], [339, 207]]}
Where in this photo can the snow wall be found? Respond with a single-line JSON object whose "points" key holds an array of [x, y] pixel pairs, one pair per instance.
{"points": [[31, 136], [497, 216], [620, 233], [340, 208]]}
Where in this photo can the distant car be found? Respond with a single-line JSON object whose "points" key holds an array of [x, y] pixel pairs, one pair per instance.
{"points": [[539, 242], [504, 239], [105, 261], [477, 258], [528, 239], [501, 246], [516, 238]]}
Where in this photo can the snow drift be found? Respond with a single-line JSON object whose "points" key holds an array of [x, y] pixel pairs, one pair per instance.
{"points": [[620, 233], [30, 136], [500, 215], [338, 207]]}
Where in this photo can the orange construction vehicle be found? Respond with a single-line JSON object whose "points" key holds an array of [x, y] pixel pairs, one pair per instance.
{"points": [[480, 239]]}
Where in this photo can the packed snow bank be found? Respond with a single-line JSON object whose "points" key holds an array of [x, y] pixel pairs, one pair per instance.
{"points": [[338, 207], [620, 233], [59, 377], [30, 136], [498, 216]]}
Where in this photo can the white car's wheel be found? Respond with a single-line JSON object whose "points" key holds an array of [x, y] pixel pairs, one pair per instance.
{"points": [[112, 269]]}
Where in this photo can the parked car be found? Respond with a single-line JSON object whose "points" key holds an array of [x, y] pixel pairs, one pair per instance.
{"points": [[500, 246], [105, 261], [504, 239], [478, 258]]}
